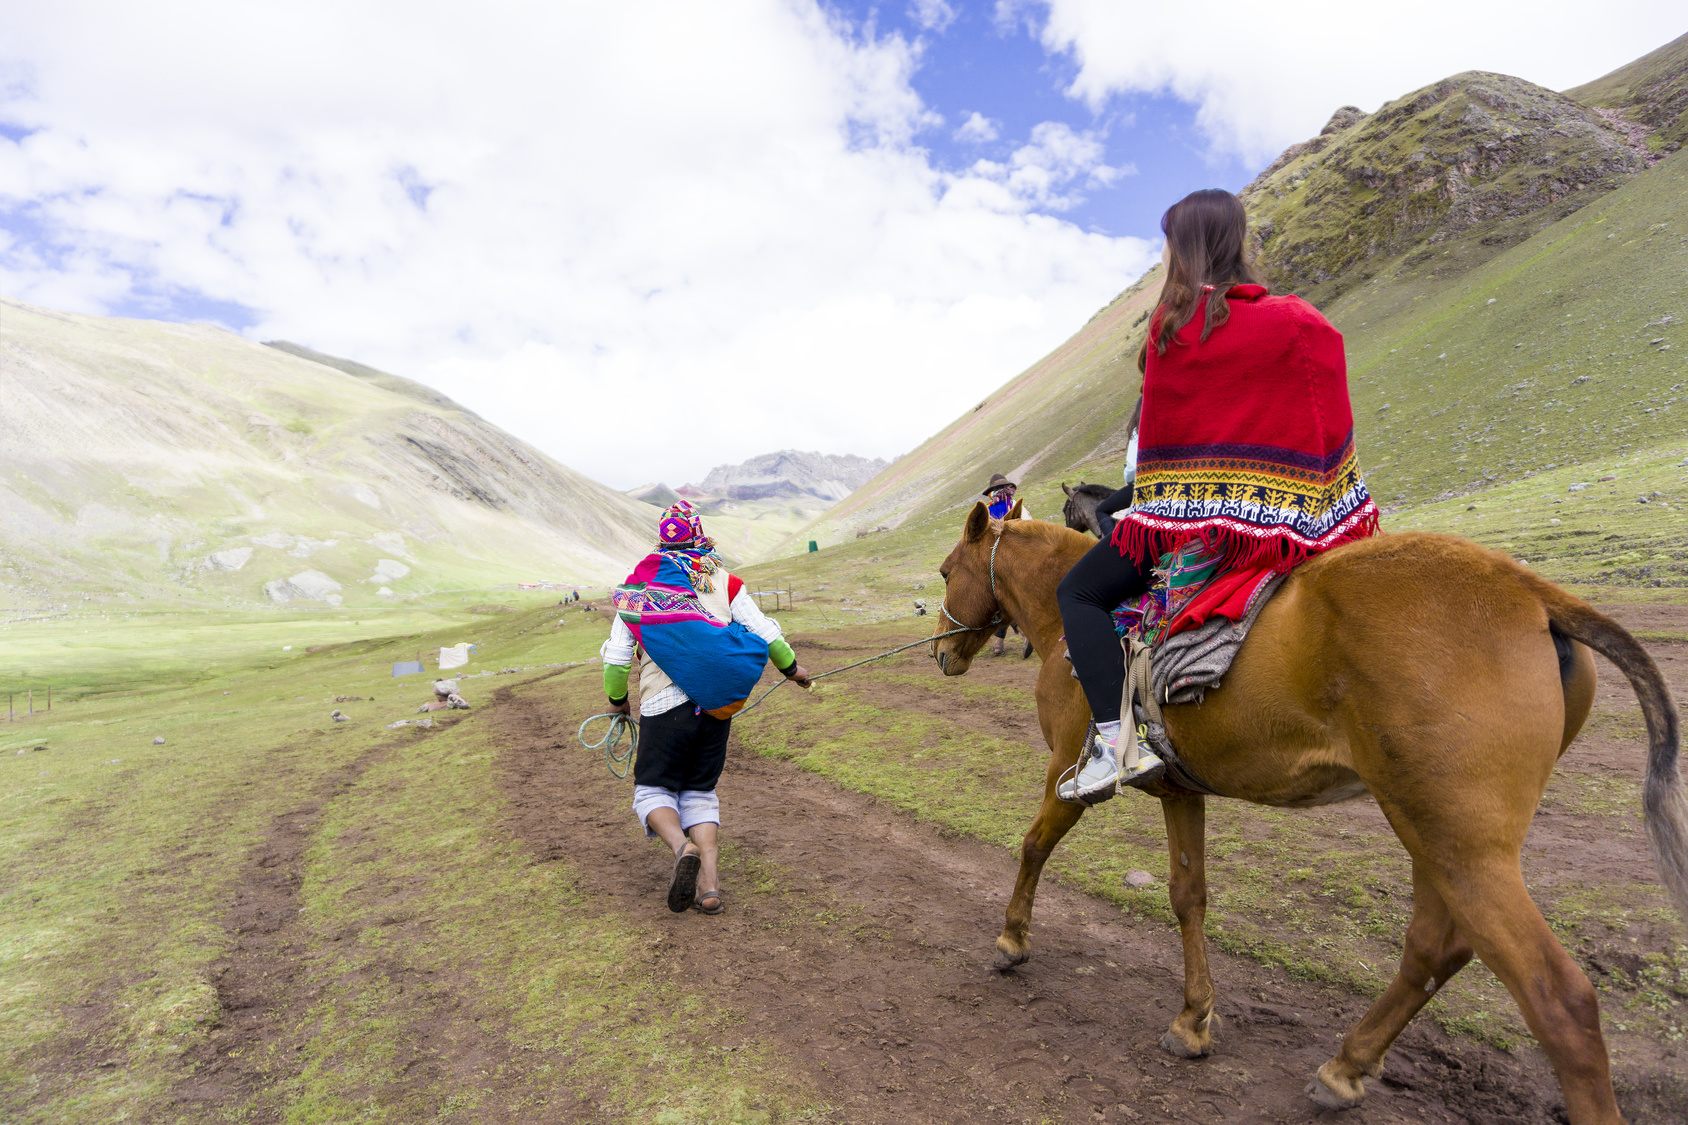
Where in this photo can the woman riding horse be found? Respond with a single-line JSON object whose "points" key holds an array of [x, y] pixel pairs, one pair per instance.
{"points": [[1246, 447]]}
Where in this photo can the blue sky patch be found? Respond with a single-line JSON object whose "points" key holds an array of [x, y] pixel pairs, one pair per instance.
{"points": [[970, 65]]}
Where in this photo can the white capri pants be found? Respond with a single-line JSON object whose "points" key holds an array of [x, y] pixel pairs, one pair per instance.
{"points": [[695, 806]]}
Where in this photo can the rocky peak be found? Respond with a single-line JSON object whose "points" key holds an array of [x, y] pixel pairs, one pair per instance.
{"points": [[788, 473], [1477, 150], [1344, 118]]}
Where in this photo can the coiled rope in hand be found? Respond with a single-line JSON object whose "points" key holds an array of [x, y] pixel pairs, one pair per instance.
{"points": [[621, 724]]}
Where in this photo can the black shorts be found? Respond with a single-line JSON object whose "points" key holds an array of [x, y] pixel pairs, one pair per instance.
{"points": [[681, 749]]}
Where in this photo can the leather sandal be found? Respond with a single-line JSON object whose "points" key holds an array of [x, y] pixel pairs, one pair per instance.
{"points": [[720, 903], [683, 890]]}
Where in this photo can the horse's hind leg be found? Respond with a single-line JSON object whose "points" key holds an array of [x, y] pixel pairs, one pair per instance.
{"points": [[1054, 819], [1191, 1034], [1435, 950], [1494, 911]]}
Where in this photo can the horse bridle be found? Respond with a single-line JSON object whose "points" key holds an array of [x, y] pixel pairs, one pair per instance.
{"points": [[996, 618]]}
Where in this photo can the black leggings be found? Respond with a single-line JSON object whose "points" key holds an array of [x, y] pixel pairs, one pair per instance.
{"points": [[1097, 583], [1118, 502]]}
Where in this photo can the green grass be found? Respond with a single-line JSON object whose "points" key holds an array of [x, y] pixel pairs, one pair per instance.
{"points": [[1598, 535], [122, 857]]}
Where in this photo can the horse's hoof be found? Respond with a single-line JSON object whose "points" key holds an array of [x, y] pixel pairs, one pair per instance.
{"points": [[1322, 1094], [1005, 960], [1173, 1045]]}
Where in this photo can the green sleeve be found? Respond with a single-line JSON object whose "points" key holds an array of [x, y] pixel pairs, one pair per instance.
{"points": [[615, 681], [781, 653]]}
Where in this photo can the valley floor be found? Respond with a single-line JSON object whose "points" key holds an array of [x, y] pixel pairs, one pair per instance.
{"points": [[274, 917]]}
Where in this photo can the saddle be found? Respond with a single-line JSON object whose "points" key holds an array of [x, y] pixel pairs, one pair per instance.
{"points": [[1180, 639]]}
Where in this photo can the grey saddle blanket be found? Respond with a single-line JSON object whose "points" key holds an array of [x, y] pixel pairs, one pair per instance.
{"points": [[1184, 666]]}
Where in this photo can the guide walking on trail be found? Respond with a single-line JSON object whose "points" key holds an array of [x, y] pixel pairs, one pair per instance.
{"points": [[1245, 461], [701, 643]]}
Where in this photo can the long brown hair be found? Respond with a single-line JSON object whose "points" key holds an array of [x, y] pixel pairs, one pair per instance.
{"points": [[1207, 233]]}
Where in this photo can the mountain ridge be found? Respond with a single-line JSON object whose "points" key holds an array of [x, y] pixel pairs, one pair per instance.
{"points": [[788, 474], [184, 461]]}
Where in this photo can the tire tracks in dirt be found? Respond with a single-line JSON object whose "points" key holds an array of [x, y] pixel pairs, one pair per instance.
{"points": [[857, 944], [259, 985], [274, 974]]}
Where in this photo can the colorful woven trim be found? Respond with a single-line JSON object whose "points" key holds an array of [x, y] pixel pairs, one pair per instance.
{"points": [[1181, 575], [1255, 505]]}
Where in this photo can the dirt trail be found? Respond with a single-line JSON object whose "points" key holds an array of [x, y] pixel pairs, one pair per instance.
{"points": [[858, 944]]}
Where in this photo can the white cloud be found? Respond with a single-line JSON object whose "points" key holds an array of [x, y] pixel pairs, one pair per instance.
{"points": [[1266, 77], [932, 15], [1049, 171], [978, 129], [648, 238]]}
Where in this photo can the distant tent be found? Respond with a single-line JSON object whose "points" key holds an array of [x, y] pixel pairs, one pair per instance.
{"points": [[407, 667]]}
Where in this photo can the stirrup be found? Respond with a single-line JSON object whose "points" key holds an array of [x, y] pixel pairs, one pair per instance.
{"points": [[1149, 769], [1068, 781]]}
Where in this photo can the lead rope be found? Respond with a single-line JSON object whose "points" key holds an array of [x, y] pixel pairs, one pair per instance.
{"points": [[619, 725]]}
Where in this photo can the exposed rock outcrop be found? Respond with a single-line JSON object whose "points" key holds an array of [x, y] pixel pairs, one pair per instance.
{"points": [[1476, 150], [789, 473]]}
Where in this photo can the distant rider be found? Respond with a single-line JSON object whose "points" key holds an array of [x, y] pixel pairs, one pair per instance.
{"points": [[709, 633], [1246, 444]]}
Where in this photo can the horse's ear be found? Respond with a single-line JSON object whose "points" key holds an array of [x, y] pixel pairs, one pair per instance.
{"points": [[978, 520], [1067, 490], [1014, 512]]}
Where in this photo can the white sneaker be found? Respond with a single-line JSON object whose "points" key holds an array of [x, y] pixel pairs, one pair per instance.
{"points": [[1102, 774]]}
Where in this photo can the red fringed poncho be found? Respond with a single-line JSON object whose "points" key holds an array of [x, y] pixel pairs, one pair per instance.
{"points": [[1247, 440]]}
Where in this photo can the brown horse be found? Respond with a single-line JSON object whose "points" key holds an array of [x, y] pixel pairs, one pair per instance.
{"points": [[1443, 678]]}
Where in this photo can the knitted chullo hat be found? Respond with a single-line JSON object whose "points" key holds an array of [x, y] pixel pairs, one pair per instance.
{"points": [[681, 527]]}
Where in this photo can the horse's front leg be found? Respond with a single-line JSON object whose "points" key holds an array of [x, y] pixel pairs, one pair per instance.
{"points": [[1191, 1034], [1054, 819]]}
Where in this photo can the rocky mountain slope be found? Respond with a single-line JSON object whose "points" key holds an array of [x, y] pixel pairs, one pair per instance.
{"points": [[1651, 91], [1505, 263], [173, 460], [789, 474], [1487, 154], [754, 506]]}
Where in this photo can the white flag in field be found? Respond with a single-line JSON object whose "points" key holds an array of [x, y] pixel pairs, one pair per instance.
{"points": [[455, 656]]}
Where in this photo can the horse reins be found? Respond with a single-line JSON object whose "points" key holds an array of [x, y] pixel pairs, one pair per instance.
{"points": [[996, 618]]}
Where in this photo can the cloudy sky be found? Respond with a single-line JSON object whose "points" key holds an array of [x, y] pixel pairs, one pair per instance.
{"points": [[654, 237]]}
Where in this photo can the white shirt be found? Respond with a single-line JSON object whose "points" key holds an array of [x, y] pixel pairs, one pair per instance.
{"points": [[619, 648]]}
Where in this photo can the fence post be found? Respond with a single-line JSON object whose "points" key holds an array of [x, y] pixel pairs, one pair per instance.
{"points": [[49, 697], [32, 701]]}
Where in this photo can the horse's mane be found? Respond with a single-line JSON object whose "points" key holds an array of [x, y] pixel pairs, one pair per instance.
{"points": [[1054, 534], [1100, 491]]}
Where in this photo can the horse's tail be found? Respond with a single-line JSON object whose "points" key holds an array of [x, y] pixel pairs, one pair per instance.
{"points": [[1662, 797]]}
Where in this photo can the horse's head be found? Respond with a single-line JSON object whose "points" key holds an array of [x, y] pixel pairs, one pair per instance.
{"points": [[1079, 511], [970, 600]]}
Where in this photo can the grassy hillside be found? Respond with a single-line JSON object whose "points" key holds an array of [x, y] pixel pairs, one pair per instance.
{"points": [[1565, 349], [180, 462], [1652, 90]]}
